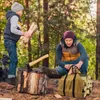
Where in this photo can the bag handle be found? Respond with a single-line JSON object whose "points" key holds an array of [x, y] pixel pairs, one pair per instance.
{"points": [[73, 69]]}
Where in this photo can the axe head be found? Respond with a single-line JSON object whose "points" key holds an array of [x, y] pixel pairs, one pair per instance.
{"points": [[28, 68]]}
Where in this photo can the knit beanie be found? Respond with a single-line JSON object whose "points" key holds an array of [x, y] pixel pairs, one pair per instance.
{"points": [[68, 34], [17, 7]]}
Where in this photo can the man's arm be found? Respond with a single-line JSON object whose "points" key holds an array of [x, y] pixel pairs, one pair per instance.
{"points": [[14, 26], [83, 54], [59, 56]]}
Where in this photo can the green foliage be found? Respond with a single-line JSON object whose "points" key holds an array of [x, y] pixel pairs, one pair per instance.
{"points": [[62, 15], [78, 19]]}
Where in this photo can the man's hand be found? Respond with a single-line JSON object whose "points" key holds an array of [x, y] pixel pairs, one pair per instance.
{"points": [[78, 65], [67, 66], [26, 34]]}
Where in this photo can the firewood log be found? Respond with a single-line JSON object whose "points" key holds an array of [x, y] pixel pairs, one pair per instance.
{"points": [[37, 83], [32, 83], [33, 28], [22, 81], [33, 80], [87, 86]]}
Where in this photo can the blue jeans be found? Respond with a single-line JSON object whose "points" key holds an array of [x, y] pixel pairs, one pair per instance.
{"points": [[62, 71], [11, 49]]}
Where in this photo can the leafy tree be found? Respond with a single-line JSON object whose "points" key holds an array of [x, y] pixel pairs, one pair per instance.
{"points": [[60, 15]]}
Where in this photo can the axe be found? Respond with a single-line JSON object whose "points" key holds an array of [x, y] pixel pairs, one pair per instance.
{"points": [[24, 72], [23, 75], [29, 65]]}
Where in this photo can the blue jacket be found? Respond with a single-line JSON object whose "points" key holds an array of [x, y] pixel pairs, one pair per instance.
{"points": [[59, 54]]}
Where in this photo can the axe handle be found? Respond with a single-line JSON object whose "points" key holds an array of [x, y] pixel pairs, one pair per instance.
{"points": [[38, 60]]}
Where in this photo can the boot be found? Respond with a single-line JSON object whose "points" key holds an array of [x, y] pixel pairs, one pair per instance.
{"points": [[11, 81]]}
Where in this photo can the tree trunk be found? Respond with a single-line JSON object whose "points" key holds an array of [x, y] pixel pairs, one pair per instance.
{"points": [[39, 36], [28, 22], [32, 83], [98, 41], [0, 35], [46, 35]]}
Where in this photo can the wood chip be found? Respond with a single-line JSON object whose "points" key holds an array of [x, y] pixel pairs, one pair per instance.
{"points": [[58, 96]]}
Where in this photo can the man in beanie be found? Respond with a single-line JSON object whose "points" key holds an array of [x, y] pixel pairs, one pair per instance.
{"points": [[71, 52], [68, 52], [12, 34]]}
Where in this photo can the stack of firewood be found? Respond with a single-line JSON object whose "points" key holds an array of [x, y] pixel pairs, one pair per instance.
{"points": [[24, 40], [87, 85]]}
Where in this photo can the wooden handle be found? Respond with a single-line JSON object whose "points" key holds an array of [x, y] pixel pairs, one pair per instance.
{"points": [[38, 60]]}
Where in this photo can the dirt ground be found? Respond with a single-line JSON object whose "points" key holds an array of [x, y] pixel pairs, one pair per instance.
{"points": [[7, 91]]}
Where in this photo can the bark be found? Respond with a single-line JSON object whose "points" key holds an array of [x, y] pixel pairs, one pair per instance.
{"points": [[28, 22], [39, 36], [98, 41], [0, 35]]}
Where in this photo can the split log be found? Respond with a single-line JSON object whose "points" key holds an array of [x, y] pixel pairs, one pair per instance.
{"points": [[22, 80], [37, 83], [87, 85], [32, 83], [33, 28]]}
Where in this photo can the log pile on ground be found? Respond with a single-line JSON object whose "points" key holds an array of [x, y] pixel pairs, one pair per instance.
{"points": [[87, 86], [7, 91]]}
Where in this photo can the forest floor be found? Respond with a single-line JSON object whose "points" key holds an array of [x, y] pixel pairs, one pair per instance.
{"points": [[8, 91]]}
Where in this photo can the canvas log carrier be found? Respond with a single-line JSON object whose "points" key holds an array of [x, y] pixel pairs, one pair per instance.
{"points": [[74, 85]]}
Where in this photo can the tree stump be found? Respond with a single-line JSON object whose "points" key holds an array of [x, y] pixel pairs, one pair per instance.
{"points": [[32, 82]]}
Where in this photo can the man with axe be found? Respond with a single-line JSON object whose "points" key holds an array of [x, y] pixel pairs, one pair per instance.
{"points": [[12, 34]]}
